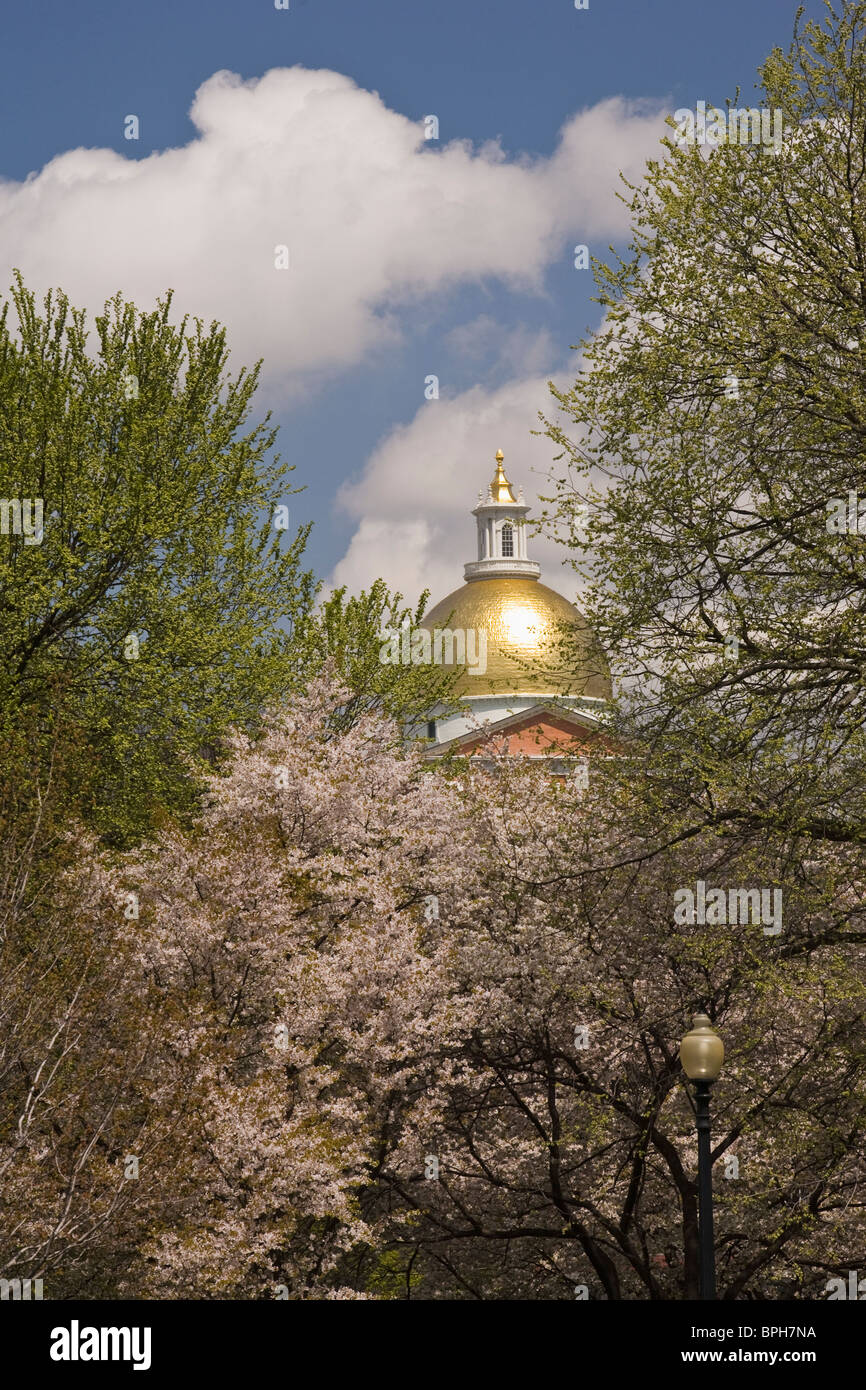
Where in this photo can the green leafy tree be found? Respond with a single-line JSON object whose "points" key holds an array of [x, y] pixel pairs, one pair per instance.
{"points": [[348, 633], [145, 592], [714, 439]]}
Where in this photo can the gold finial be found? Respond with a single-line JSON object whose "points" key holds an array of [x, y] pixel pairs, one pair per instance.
{"points": [[500, 488]]}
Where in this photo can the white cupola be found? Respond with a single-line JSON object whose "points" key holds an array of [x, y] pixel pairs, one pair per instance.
{"points": [[501, 522]]}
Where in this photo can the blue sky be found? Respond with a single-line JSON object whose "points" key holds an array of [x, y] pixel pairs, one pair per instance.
{"points": [[481, 292]]}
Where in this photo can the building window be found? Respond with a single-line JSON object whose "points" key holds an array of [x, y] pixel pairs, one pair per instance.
{"points": [[431, 728], [507, 540]]}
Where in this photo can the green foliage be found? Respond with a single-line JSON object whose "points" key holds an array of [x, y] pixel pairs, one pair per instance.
{"points": [[346, 633], [392, 1275], [157, 609], [722, 408]]}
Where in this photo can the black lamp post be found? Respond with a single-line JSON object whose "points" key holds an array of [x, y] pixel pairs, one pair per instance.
{"points": [[702, 1053]]}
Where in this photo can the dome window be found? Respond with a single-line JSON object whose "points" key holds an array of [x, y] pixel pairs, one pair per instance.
{"points": [[507, 539]]}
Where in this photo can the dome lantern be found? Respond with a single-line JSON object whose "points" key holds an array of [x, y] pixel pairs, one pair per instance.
{"points": [[501, 523]]}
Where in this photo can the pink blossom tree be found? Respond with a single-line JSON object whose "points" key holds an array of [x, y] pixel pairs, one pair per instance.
{"points": [[563, 1128], [380, 1029]]}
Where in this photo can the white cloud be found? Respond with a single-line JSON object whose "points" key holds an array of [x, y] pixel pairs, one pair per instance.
{"points": [[514, 347], [414, 500], [374, 219], [372, 216]]}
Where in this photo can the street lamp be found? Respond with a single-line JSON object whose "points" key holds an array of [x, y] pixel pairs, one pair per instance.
{"points": [[702, 1053]]}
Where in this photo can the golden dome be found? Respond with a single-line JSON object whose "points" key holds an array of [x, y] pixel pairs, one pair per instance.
{"points": [[525, 623]]}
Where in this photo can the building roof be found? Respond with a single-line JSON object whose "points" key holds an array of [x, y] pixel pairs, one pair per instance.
{"points": [[543, 731]]}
